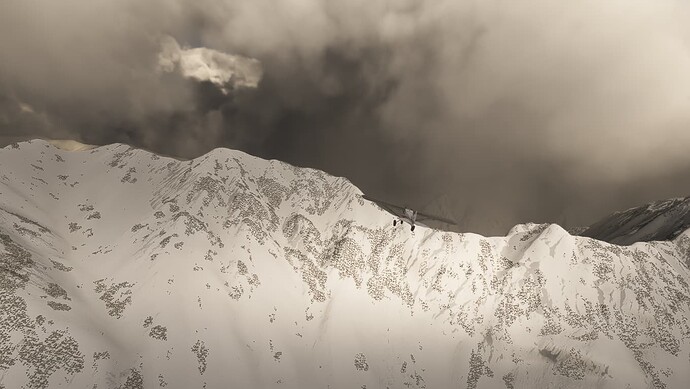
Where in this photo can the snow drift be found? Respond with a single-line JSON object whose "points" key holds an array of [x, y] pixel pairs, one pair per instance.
{"points": [[124, 269]]}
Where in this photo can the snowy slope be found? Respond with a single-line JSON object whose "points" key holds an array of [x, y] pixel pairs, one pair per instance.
{"points": [[123, 269], [660, 220]]}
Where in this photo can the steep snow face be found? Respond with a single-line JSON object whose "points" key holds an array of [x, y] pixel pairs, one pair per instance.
{"points": [[660, 220], [122, 269]]}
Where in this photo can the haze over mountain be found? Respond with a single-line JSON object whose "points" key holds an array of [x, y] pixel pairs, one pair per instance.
{"points": [[124, 269]]}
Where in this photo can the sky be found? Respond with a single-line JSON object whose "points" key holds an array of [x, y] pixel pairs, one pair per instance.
{"points": [[491, 112]]}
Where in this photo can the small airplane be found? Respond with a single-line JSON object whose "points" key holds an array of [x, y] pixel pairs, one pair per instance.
{"points": [[404, 214]]}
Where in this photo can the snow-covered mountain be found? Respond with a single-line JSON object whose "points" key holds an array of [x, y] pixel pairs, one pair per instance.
{"points": [[660, 220], [124, 269]]}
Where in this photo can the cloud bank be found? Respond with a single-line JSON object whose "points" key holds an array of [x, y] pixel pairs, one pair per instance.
{"points": [[496, 112]]}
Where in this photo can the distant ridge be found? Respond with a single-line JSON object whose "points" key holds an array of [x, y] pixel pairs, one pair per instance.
{"points": [[70, 145], [656, 221], [62, 144]]}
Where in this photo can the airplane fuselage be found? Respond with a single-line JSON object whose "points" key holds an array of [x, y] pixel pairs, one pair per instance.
{"points": [[409, 216]]}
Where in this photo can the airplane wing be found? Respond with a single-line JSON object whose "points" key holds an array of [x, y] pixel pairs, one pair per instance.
{"points": [[424, 216], [400, 211], [396, 210]]}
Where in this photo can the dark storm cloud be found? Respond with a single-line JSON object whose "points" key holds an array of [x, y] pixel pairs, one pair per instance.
{"points": [[494, 112]]}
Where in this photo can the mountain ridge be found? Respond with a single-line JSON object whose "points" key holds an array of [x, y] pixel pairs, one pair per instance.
{"points": [[123, 269]]}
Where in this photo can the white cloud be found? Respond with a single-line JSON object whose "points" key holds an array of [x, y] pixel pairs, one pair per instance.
{"points": [[26, 108], [227, 71]]}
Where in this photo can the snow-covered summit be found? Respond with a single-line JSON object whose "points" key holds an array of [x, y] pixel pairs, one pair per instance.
{"points": [[124, 269]]}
